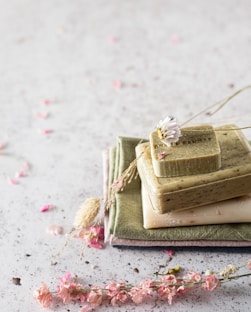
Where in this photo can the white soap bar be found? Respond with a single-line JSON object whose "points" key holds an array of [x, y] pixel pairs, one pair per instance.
{"points": [[237, 210]]}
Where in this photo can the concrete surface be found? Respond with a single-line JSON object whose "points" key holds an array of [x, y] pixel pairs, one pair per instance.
{"points": [[172, 57]]}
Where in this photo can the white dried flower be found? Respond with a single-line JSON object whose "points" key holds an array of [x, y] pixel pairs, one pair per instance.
{"points": [[228, 270], [168, 130], [87, 213]]}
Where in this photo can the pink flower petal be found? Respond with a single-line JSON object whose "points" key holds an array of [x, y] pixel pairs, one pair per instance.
{"points": [[162, 155], [2, 145], [169, 252], [12, 181], [20, 174], [117, 84], [47, 102], [112, 39], [25, 167], [175, 39], [46, 208], [40, 115], [46, 131], [54, 230]]}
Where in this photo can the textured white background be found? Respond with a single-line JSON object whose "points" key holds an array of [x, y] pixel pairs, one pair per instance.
{"points": [[60, 50]]}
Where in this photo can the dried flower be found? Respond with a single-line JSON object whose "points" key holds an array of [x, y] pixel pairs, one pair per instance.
{"points": [[249, 264], [168, 130], [210, 282], [43, 295], [167, 287], [93, 236], [68, 290], [161, 155], [86, 213], [117, 292], [228, 270]]}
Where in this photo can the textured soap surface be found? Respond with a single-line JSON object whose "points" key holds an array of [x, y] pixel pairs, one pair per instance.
{"points": [[233, 179], [197, 151]]}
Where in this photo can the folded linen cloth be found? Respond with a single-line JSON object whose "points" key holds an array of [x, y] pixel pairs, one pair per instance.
{"points": [[124, 221]]}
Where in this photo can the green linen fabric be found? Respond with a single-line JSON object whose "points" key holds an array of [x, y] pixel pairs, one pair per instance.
{"points": [[126, 217]]}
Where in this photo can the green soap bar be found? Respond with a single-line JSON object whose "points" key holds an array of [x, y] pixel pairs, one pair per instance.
{"points": [[197, 151], [233, 179]]}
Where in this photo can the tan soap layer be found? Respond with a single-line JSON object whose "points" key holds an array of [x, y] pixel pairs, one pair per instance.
{"points": [[235, 210], [179, 193], [197, 151]]}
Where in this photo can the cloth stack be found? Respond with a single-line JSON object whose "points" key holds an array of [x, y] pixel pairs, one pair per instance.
{"points": [[127, 219]]}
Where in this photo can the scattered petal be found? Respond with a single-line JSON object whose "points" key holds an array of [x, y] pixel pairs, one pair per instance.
{"points": [[12, 181], [46, 131], [25, 167], [117, 84], [162, 155], [41, 115], [112, 39], [54, 230], [175, 39], [20, 174], [46, 208], [2, 145], [169, 252], [47, 102]]}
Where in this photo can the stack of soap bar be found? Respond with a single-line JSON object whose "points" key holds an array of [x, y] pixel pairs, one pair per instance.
{"points": [[197, 151], [233, 179]]}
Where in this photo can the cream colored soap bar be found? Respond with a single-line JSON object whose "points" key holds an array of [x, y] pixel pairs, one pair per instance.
{"points": [[197, 151], [179, 193], [236, 210]]}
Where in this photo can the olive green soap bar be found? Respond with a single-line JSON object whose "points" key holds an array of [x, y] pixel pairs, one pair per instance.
{"points": [[197, 151], [233, 179]]}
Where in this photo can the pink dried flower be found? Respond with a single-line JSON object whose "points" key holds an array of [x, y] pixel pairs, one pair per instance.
{"points": [[169, 252], [249, 264], [95, 296], [116, 292], [68, 290], [46, 208], [193, 276], [92, 236], [118, 184], [140, 292], [43, 295], [210, 282], [161, 155]]}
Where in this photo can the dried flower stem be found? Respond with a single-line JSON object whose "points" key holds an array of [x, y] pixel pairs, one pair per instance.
{"points": [[167, 287]]}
